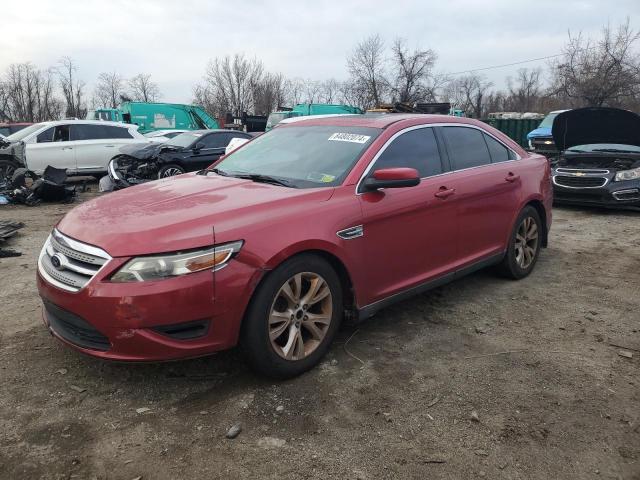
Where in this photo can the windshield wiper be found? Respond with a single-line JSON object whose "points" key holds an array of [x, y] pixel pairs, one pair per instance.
{"points": [[257, 177], [614, 150], [217, 171]]}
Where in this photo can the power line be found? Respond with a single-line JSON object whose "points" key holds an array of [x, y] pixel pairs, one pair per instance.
{"points": [[508, 64]]}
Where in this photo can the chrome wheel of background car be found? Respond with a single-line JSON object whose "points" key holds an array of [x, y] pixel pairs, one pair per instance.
{"points": [[300, 315], [171, 172], [526, 242]]}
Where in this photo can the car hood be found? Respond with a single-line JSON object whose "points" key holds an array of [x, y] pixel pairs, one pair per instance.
{"points": [[180, 213], [144, 151], [539, 132], [15, 150], [583, 126]]}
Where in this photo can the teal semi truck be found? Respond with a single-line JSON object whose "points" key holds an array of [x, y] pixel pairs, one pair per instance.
{"points": [[156, 116], [307, 109]]}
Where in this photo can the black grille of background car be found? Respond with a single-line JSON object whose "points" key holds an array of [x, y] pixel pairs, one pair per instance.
{"points": [[580, 182], [79, 263], [540, 144], [74, 329]]}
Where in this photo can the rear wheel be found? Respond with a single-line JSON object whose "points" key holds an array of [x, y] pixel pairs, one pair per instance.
{"points": [[524, 245], [293, 317], [170, 170]]}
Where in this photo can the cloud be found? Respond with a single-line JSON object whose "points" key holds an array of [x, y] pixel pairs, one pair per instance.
{"points": [[173, 41]]}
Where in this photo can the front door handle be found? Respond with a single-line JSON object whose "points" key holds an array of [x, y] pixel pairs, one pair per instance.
{"points": [[67, 148], [512, 177], [109, 146], [444, 192]]}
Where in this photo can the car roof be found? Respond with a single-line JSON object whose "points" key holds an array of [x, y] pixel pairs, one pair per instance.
{"points": [[381, 121], [88, 122], [11, 124]]}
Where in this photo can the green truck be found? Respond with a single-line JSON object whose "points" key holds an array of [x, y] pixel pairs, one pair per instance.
{"points": [[156, 116], [308, 109]]}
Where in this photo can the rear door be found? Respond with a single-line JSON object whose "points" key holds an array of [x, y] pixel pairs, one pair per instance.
{"points": [[487, 187], [51, 147], [409, 233], [97, 144]]}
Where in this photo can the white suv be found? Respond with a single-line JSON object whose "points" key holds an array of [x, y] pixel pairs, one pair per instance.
{"points": [[80, 146]]}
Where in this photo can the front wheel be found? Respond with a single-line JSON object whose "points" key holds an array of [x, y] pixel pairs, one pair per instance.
{"points": [[7, 167], [170, 170], [524, 245], [293, 317]]}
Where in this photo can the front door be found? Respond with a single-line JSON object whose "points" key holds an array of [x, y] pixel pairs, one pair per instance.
{"points": [[409, 233], [51, 147]]}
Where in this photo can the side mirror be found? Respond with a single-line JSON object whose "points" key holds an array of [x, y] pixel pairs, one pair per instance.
{"points": [[198, 146], [392, 178]]}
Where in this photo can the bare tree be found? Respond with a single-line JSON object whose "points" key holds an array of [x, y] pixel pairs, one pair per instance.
{"points": [[366, 66], [230, 84], [109, 90], [329, 91], [412, 70], [269, 93], [28, 94], [468, 93], [72, 88], [143, 89], [601, 72], [524, 91]]}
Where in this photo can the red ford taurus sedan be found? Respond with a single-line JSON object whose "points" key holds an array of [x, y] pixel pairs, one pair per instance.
{"points": [[275, 244]]}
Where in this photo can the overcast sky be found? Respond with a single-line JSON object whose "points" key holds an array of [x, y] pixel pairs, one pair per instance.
{"points": [[174, 40]]}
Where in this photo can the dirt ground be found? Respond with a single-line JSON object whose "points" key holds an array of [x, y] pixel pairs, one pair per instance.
{"points": [[485, 377]]}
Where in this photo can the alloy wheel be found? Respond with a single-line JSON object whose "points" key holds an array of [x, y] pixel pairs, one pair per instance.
{"points": [[526, 244], [171, 172], [300, 315], [6, 171]]}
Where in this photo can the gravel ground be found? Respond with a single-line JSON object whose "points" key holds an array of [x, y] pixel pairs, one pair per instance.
{"points": [[484, 377]]}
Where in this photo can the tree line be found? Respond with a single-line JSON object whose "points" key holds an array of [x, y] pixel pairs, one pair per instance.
{"points": [[602, 71]]}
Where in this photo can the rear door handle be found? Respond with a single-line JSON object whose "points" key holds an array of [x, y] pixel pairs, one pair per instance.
{"points": [[445, 192], [512, 177], [109, 146], [67, 148]]}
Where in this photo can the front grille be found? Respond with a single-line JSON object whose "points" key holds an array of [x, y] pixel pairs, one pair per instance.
{"points": [[579, 182], [543, 144], [74, 329], [69, 264]]}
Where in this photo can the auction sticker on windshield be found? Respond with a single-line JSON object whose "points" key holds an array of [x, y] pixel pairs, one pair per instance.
{"points": [[349, 137]]}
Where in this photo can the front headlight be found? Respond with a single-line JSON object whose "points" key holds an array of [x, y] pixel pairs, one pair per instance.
{"points": [[160, 267], [628, 174], [530, 144]]}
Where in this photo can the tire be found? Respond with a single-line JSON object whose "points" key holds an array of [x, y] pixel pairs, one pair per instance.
{"points": [[518, 262], [273, 310], [170, 170], [7, 167]]}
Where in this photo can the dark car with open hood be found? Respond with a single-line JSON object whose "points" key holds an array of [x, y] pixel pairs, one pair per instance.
{"points": [[187, 152], [600, 160]]}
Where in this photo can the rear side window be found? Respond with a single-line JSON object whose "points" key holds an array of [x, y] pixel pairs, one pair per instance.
{"points": [[414, 149], [117, 132], [98, 132], [498, 152], [466, 146], [216, 140]]}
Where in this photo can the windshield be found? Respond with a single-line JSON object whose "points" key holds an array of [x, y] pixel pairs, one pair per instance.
{"points": [[22, 134], [305, 157], [184, 139], [276, 118], [604, 147], [547, 122]]}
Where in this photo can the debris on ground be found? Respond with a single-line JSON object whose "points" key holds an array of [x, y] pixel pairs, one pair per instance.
{"points": [[271, 442], [234, 431], [26, 187], [8, 228], [474, 416], [142, 410], [625, 353], [78, 389]]}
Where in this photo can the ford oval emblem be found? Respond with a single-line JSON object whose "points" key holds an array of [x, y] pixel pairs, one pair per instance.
{"points": [[56, 261]]}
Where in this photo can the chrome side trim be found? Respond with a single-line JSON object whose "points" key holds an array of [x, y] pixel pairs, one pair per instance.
{"points": [[431, 125], [351, 232]]}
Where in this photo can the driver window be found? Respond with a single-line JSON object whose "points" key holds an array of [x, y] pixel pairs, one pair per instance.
{"points": [[46, 136], [61, 133], [414, 149]]}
